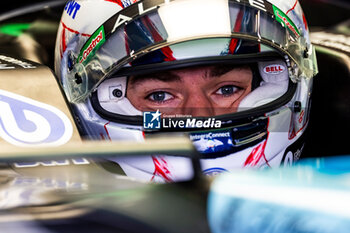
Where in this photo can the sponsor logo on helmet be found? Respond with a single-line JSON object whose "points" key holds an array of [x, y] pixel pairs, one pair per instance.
{"points": [[210, 135], [274, 69], [286, 21], [217, 141], [95, 42], [260, 4], [72, 8], [134, 10]]}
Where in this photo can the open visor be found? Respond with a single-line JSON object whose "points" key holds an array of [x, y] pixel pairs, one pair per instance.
{"points": [[153, 35]]}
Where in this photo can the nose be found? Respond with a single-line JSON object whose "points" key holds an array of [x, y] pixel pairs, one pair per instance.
{"points": [[197, 104]]}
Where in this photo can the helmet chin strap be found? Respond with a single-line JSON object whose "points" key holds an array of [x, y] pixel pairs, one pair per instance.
{"points": [[111, 95], [274, 84]]}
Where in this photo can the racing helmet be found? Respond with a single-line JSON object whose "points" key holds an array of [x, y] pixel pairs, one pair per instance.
{"points": [[103, 46]]}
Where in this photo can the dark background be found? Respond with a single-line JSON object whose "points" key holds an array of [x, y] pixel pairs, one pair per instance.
{"points": [[325, 13]]}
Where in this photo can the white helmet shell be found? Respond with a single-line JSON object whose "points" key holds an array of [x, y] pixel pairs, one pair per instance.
{"points": [[98, 46]]}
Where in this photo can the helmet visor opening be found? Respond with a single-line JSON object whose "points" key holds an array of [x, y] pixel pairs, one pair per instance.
{"points": [[221, 91], [159, 37]]}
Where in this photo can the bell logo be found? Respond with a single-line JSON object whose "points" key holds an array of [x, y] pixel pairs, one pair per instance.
{"points": [[274, 69]]}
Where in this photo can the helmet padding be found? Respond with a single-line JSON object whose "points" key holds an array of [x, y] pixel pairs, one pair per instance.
{"points": [[274, 84], [116, 104]]}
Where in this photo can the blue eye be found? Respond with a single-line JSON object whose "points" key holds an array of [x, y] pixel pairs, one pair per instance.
{"points": [[159, 96], [226, 90]]}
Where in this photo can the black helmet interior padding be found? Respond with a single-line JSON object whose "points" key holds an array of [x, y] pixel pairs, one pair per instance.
{"points": [[256, 76]]}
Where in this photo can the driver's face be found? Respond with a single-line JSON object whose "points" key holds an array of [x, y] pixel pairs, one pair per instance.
{"points": [[200, 91]]}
